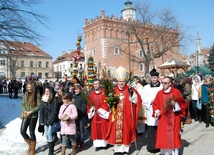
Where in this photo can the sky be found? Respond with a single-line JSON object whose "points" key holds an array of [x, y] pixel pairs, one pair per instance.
{"points": [[66, 20]]}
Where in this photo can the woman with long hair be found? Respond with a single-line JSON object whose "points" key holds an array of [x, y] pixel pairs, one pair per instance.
{"points": [[196, 84], [58, 101], [46, 117], [30, 107]]}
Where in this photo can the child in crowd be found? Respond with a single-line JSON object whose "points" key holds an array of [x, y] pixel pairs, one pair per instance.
{"points": [[68, 115]]}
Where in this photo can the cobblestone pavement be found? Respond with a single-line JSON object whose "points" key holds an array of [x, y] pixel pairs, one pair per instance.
{"points": [[196, 139]]}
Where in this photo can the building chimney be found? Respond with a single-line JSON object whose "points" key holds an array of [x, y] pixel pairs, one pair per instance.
{"points": [[63, 53]]}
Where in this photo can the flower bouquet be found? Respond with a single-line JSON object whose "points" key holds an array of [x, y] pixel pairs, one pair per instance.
{"points": [[111, 97], [211, 101]]}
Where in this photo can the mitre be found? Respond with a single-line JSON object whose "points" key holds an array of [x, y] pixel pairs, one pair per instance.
{"points": [[120, 74]]}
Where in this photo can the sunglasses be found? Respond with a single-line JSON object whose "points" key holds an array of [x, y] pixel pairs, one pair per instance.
{"points": [[165, 83]]}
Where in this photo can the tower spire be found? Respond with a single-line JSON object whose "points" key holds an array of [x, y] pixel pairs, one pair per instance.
{"points": [[129, 12], [198, 40]]}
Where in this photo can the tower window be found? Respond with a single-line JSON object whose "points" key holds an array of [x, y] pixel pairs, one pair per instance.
{"points": [[141, 67], [93, 52], [116, 51]]}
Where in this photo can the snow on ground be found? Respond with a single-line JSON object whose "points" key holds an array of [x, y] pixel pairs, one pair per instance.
{"points": [[11, 141]]}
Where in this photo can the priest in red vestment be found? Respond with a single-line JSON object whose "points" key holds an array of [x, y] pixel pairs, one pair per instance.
{"points": [[123, 120], [99, 114], [169, 106]]}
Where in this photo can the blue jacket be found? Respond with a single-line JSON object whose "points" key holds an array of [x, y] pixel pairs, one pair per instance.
{"points": [[205, 93]]}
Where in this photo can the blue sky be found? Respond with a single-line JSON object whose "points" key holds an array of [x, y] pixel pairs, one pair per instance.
{"points": [[66, 20]]}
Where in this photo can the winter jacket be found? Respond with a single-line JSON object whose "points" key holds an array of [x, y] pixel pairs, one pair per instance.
{"points": [[187, 91], [68, 127], [80, 104], [47, 113], [205, 93], [195, 91], [26, 105], [57, 105]]}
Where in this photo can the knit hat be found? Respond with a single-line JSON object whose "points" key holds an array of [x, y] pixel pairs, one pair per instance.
{"points": [[177, 79]]}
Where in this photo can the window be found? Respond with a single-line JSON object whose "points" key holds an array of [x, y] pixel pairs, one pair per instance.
{"points": [[116, 51], [141, 67], [2, 63], [40, 64], [93, 52], [47, 64], [31, 63], [21, 49], [140, 53], [40, 75], [46, 75], [22, 63], [29, 50], [22, 74]]}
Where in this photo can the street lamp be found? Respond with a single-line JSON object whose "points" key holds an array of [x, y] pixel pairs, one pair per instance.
{"points": [[198, 41], [197, 66]]}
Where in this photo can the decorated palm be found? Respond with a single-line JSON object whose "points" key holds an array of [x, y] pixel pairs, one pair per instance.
{"points": [[111, 97]]}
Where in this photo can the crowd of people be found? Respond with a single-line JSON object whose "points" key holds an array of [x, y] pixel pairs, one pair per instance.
{"points": [[159, 108], [13, 87]]}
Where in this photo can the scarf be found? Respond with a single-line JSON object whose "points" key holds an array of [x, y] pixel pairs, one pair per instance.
{"points": [[45, 98]]}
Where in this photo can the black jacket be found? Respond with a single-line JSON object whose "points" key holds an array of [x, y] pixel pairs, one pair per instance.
{"points": [[47, 115], [80, 104]]}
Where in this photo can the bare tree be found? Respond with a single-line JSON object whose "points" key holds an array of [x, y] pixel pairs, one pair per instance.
{"points": [[13, 65], [18, 20], [157, 32]]}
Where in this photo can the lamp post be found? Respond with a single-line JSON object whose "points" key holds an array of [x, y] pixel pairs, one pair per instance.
{"points": [[198, 41], [197, 66]]}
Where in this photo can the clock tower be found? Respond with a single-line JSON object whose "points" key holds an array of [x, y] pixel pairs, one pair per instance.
{"points": [[128, 12]]}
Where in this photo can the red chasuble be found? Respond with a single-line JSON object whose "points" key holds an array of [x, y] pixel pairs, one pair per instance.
{"points": [[169, 124], [123, 124], [98, 124]]}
